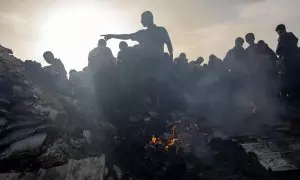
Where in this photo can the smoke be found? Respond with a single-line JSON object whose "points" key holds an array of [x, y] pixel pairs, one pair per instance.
{"points": [[234, 97], [236, 103]]}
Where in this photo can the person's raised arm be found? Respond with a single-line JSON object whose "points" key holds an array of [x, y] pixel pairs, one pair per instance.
{"points": [[279, 48], [117, 36], [170, 48], [168, 42]]}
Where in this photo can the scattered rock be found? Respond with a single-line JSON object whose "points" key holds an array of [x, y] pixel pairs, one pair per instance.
{"points": [[33, 114], [24, 176], [77, 143], [55, 154], [3, 121], [87, 135], [4, 102], [27, 144], [3, 112], [89, 168], [20, 134], [118, 172], [56, 173], [92, 168], [23, 124]]}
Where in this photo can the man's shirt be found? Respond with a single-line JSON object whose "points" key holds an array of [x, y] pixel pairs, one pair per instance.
{"points": [[152, 40]]}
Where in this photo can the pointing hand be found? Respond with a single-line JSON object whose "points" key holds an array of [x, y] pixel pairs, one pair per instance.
{"points": [[107, 37]]}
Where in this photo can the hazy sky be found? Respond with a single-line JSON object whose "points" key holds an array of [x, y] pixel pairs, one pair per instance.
{"points": [[71, 28]]}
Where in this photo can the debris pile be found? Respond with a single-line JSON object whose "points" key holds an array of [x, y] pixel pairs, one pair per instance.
{"points": [[39, 125]]}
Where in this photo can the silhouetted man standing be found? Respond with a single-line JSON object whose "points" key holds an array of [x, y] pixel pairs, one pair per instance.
{"points": [[237, 53], [250, 39], [101, 56], [101, 62], [263, 48], [287, 43], [151, 40], [125, 55], [236, 62], [214, 62], [287, 50]]}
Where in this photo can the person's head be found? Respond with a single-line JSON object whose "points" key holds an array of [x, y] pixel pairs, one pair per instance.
{"points": [[200, 60], [261, 45], [147, 19], [250, 38], [212, 60], [49, 57], [280, 29], [101, 43], [85, 69], [239, 42], [182, 56], [71, 72], [123, 45], [212, 57], [261, 42]]}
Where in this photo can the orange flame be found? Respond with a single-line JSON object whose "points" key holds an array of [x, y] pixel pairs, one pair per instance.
{"points": [[168, 143], [155, 140]]}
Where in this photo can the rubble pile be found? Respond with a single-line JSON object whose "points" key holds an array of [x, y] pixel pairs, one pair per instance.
{"points": [[39, 127], [198, 153]]}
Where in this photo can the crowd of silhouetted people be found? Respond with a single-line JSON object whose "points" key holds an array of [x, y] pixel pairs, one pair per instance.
{"points": [[146, 76]]}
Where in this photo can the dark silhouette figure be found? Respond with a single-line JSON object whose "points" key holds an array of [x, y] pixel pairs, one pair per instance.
{"points": [[197, 62], [100, 57], [251, 49], [287, 50], [102, 66], [288, 53], [123, 45], [168, 59], [214, 62], [237, 53], [73, 81], [236, 63], [263, 48], [56, 67], [124, 51], [287, 43], [57, 74], [267, 58], [151, 40], [181, 60], [72, 73], [236, 59]]}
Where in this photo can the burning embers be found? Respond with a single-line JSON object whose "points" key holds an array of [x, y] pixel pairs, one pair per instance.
{"points": [[166, 142]]}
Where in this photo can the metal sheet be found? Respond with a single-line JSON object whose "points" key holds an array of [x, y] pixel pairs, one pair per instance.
{"points": [[271, 155]]}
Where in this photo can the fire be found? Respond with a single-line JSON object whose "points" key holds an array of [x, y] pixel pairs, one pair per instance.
{"points": [[167, 143], [155, 140]]}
